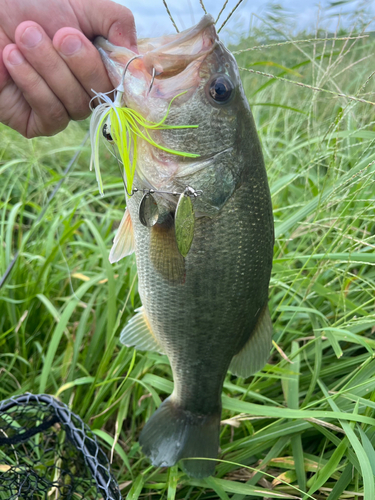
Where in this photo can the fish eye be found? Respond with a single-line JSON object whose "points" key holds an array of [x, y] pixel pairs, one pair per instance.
{"points": [[106, 133], [221, 89]]}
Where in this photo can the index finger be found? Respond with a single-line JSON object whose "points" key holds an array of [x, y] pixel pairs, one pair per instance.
{"points": [[109, 19]]}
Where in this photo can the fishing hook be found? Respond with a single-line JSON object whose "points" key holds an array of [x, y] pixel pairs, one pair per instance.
{"points": [[119, 93], [121, 89], [152, 79]]}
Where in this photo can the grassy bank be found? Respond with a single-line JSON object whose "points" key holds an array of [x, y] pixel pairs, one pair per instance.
{"points": [[306, 421]]}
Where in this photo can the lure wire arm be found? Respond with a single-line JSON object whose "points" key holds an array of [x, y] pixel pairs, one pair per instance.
{"points": [[188, 191]]}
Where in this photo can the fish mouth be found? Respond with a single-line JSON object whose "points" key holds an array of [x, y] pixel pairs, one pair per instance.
{"points": [[173, 54], [165, 65]]}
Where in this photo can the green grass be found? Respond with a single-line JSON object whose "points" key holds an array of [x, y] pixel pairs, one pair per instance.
{"points": [[306, 421]]}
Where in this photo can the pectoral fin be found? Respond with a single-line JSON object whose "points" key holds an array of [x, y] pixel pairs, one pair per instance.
{"points": [[123, 244], [164, 253], [255, 353], [138, 333]]}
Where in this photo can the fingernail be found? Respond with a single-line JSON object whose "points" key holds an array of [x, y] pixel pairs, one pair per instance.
{"points": [[15, 57], [31, 37], [70, 45]]}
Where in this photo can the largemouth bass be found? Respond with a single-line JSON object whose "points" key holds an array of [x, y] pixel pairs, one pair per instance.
{"points": [[207, 311]]}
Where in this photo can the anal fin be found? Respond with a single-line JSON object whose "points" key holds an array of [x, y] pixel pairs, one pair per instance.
{"points": [[255, 353], [123, 244], [138, 333]]}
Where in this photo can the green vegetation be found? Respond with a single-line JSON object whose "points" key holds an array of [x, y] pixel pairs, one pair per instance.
{"points": [[306, 421]]}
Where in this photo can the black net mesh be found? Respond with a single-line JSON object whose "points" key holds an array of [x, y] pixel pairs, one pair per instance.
{"points": [[48, 452]]}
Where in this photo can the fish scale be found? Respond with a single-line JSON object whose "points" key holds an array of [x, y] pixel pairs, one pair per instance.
{"points": [[207, 311], [197, 314]]}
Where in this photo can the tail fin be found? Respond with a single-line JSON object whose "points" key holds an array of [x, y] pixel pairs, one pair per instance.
{"points": [[173, 433]]}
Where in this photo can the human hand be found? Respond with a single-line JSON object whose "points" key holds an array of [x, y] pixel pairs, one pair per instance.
{"points": [[48, 65]]}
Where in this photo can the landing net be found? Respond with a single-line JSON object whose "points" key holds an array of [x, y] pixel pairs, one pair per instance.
{"points": [[47, 452]]}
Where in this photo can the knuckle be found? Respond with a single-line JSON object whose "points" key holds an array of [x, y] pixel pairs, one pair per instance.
{"points": [[45, 60], [46, 130], [80, 110], [123, 27], [30, 82], [47, 125], [123, 13], [85, 114], [30, 134], [130, 16], [58, 118]]}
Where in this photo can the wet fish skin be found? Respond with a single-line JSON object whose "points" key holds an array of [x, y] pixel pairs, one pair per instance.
{"points": [[211, 306]]}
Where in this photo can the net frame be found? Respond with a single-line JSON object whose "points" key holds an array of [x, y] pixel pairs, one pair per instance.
{"points": [[40, 414]]}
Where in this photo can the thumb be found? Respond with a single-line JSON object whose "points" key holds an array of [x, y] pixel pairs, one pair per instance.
{"points": [[109, 19]]}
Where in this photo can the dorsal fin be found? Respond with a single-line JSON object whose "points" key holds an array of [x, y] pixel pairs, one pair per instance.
{"points": [[138, 333], [123, 244], [255, 353]]}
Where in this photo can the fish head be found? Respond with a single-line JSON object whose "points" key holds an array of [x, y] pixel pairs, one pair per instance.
{"points": [[195, 66]]}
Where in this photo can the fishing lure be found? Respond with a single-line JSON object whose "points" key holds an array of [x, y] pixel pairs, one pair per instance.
{"points": [[124, 127]]}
